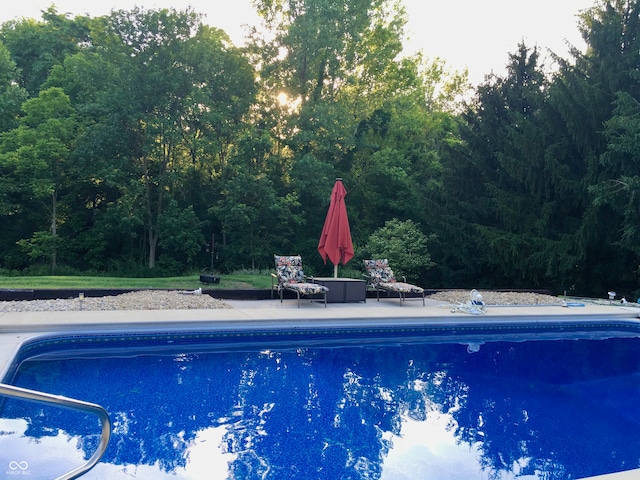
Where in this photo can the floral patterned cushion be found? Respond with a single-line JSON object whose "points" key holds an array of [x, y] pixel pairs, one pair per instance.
{"points": [[289, 268], [382, 277], [401, 287], [291, 276], [307, 288], [379, 271]]}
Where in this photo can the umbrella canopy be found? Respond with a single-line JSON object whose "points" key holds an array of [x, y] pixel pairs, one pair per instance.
{"points": [[335, 240]]}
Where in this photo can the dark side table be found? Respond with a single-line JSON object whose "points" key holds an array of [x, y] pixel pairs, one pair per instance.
{"points": [[344, 290]]}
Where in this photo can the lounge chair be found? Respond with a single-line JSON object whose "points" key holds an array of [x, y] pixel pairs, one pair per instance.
{"points": [[382, 278], [289, 276]]}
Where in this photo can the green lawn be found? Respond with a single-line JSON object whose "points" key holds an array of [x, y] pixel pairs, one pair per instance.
{"points": [[190, 282]]}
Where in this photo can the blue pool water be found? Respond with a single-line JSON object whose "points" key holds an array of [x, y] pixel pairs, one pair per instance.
{"points": [[544, 409]]}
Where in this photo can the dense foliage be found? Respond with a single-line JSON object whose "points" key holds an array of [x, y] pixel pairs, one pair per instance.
{"points": [[137, 142]]}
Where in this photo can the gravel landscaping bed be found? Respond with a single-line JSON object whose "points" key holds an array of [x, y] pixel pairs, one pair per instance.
{"points": [[140, 300], [177, 300], [496, 298]]}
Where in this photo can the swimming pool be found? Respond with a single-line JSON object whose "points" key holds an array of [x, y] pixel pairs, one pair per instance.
{"points": [[474, 402]]}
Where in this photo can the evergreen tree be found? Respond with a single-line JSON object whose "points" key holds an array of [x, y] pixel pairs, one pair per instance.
{"points": [[503, 187], [588, 96]]}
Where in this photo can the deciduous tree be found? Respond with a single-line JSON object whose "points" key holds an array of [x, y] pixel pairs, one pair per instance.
{"points": [[37, 154]]}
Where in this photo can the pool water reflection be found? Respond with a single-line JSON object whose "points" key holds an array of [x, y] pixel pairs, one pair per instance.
{"points": [[558, 409]]}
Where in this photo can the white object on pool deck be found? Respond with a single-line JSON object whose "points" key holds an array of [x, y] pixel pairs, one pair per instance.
{"points": [[627, 475], [475, 305]]}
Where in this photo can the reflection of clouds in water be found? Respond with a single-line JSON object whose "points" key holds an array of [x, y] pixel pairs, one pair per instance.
{"points": [[425, 449], [206, 457], [429, 449], [36, 458]]}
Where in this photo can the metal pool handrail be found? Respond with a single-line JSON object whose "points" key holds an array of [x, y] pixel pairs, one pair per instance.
{"points": [[65, 402]]}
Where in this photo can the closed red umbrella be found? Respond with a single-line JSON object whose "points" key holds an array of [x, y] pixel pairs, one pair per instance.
{"points": [[335, 240]]}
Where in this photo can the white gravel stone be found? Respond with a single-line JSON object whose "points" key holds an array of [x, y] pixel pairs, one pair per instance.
{"points": [[140, 300], [496, 298]]}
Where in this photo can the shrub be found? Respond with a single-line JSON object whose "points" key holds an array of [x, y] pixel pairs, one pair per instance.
{"points": [[404, 245]]}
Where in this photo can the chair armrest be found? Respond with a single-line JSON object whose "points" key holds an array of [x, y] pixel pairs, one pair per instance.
{"points": [[369, 284]]}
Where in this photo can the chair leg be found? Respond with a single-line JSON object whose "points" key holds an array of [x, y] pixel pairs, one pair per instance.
{"points": [[325, 299], [298, 293]]}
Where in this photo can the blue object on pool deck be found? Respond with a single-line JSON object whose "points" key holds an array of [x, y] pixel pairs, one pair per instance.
{"points": [[548, 409]]}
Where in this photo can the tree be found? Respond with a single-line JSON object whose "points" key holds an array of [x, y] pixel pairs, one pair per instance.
{"points": [[11, 95], [182, 238], [516, 196], [618, 189], [331, 63], [591, 99], [12, 200], [37, 153], [176, 99], [404, 245], [36, 47], [331, 70], [256, 221], [621, 191], [223, 92]]}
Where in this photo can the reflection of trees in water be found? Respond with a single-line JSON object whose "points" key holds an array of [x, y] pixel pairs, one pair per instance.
{"points": [[306, 414], [157, 404], [330, 413]]}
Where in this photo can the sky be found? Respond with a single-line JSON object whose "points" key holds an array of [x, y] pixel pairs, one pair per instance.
{"points": [[473, 34]]}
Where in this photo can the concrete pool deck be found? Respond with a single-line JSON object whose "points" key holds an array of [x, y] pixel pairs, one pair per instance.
{"points": [[18, 327], [265, 310]]}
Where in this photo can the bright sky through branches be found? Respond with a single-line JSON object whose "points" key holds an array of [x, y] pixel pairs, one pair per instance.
{"points": [[477, 34]]}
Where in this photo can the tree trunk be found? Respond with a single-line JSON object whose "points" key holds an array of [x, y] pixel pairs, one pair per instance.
{"points": [[152, 218], [153, 242], [54, 232]]}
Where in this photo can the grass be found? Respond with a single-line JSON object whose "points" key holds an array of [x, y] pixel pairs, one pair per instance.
{"points": [[189, 282]]}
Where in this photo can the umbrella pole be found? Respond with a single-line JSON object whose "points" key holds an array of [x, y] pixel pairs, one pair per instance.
{"points": [[335, 271]]}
